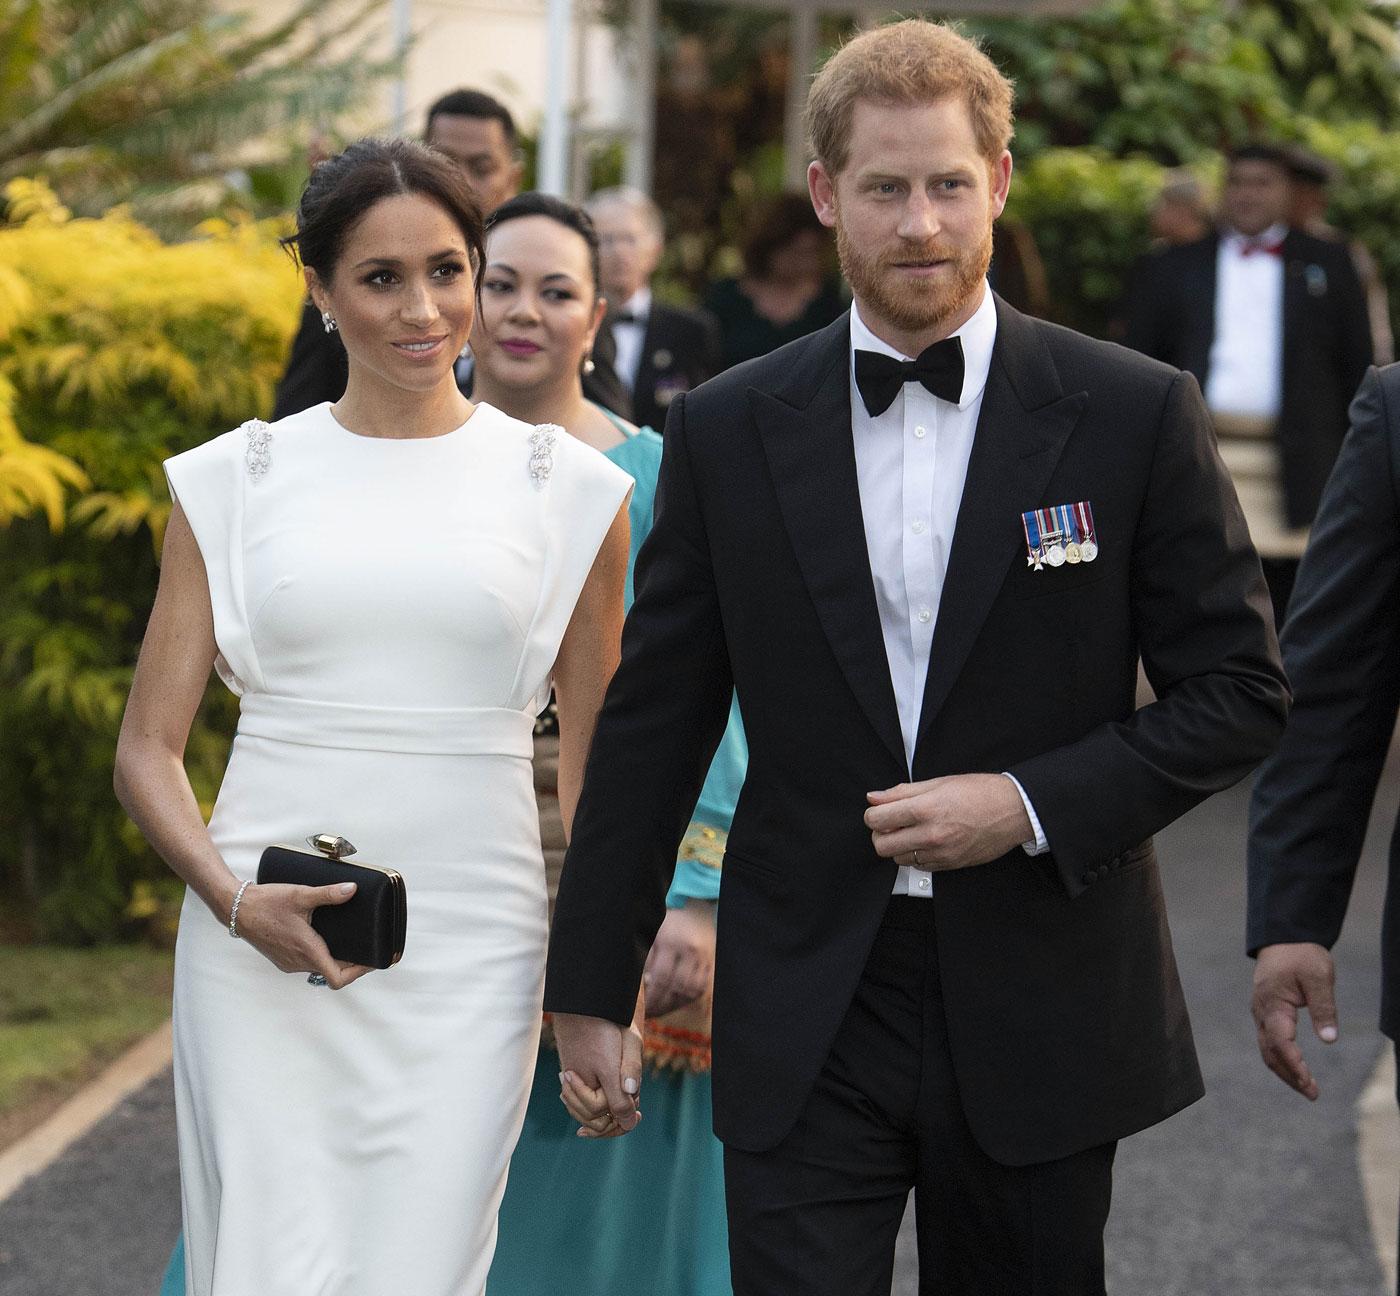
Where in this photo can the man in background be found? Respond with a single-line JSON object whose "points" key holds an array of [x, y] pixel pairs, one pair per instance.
{"points": [[1311, 179], [1272, 322], [661, 350]]}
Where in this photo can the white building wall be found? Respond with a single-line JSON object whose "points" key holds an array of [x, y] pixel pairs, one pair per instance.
{"points": [[494, 45]]}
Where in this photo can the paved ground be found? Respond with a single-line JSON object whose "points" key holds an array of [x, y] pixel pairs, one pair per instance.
{"points": [[1252, 1192]]}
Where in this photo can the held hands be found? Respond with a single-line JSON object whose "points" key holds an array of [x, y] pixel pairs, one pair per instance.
{"points": [[948, 823], [275, 919], [1286, 978], [600, 1072], [681, 964]]}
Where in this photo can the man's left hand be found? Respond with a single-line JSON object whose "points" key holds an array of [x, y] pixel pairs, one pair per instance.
{"points": [[948, 823]]}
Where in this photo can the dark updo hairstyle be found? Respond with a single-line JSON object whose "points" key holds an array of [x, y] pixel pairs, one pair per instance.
{"points": [[563, 213], [343, 188]]}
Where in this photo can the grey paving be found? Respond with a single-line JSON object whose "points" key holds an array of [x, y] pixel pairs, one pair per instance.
{"points": [[1252, 1192], [102, 1219]]}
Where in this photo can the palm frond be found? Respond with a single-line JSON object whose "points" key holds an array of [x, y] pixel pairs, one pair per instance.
{"points": [[126, 69]]}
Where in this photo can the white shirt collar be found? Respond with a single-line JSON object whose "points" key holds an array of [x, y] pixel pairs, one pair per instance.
{"points": [[978, 336], [1276, 233], [638, 305]]}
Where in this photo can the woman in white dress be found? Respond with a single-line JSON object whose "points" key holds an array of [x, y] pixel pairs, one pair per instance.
{"points": [[391, 584]]}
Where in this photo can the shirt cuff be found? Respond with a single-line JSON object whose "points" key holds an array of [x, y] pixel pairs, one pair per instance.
{"points": [[1037, 845]]}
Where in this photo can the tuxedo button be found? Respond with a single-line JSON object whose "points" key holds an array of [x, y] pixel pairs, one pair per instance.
{"points": [[925, 615], [921, 431]]}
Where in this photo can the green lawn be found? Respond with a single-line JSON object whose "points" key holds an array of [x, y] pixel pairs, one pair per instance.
{"points": [[64, 1013]]}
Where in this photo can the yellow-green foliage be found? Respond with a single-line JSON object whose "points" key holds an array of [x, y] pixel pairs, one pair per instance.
{"points": [[113, 309], [118, 350]]}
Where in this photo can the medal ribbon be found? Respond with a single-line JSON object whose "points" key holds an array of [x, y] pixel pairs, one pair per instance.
{"points": [[1067, 523], [1085, 514], [1030, 523]]}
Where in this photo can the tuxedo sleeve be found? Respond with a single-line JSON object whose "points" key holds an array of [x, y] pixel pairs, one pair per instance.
{"points": [[1341, 648], [661, 722], [1200, 613]]}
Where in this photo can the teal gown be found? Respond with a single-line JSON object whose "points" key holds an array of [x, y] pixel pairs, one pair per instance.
{"points": [[644, 1213]]}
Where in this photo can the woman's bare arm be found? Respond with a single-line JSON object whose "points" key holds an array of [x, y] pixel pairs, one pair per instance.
{"points": [[587, 658], [152, 786]]}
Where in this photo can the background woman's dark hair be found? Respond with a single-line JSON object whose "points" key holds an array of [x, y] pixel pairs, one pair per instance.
{"points": [[778, 223], [343, 188], [564, 213]]}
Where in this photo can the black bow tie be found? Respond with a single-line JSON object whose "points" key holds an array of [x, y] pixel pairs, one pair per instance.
{"points": [[627, 317], [939, 368]]}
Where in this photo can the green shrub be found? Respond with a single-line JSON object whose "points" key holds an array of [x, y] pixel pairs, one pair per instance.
{"points": [[127, 350]]}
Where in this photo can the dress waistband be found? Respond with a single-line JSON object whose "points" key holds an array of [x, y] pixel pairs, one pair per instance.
{"points": [[447, 731]]}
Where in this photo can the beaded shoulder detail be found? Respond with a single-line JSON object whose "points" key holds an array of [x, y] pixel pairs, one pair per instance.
{"points": [[542, 441], [258, 455]]}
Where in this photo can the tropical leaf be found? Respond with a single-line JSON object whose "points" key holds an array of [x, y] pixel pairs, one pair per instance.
{"points": [[160, 102]]}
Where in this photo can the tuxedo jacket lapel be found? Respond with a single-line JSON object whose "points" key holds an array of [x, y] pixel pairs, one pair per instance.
{"points": [[1025, 420], [805, 426]]}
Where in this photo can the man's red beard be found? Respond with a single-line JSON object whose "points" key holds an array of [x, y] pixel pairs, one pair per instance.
{"points": [[913, 304]]}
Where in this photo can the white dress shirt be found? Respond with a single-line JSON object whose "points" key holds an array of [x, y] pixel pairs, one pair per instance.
{"points": [[630, 335], [911, 463], [1245, 374]]}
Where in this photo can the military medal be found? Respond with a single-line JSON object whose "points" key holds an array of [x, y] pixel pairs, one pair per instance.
{"points": [[1053, 536], [1030, 524], [1084, 522], [1073, 553]]}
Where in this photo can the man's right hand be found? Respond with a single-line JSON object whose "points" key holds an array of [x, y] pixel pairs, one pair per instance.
{"points": [[606, 1058], [1286, 978]]}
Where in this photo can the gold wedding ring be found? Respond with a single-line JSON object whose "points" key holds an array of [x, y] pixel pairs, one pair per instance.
{"points": [[916, 859]]}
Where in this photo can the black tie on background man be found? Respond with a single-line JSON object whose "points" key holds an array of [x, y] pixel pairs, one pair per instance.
{"points": [[661, 350], [477, 131], [1312, 802], [943, 960]]}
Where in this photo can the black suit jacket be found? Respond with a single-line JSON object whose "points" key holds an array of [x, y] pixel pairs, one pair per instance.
{"points": [[1065, 1016], [1326, 345], [680, 350], [1341, 647], [317, 371]]}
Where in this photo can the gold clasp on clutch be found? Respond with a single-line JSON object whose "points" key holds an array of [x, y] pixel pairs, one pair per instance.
{"points": [[331, 845]]}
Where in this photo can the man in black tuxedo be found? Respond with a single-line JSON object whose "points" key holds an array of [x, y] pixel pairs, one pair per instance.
{"points": [[1273, 323], [478, 132], [661, 350], [943, 958], [1341, 647]]}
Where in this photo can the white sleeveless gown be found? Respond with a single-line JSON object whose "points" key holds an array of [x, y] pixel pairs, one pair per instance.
{"points": [[389, 613]]}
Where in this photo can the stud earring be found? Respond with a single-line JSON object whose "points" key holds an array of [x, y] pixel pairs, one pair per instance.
{"points": [[588, 365], [328, 322]]}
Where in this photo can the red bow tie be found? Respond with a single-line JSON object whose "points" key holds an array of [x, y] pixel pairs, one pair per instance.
{"points": [[1250, 246]]}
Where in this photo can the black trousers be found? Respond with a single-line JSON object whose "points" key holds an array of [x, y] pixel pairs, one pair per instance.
{"points": [[818, 1214]]}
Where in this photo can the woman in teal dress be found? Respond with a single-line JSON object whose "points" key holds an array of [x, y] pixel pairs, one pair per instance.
{"points": [[643, 1214]]}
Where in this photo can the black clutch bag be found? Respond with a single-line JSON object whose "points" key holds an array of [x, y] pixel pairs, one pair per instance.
{"points": [[368, 928]]}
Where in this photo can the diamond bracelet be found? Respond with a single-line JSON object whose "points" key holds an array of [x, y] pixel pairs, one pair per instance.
{"points": [[233, 914]]}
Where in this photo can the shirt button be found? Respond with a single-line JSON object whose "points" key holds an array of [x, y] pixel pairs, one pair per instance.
{"points": [[925, 615], [918, 526], [921, 431]]}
